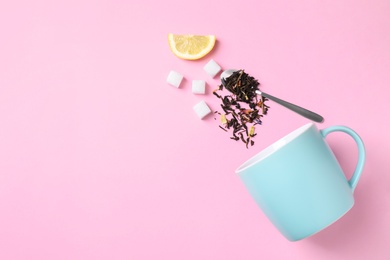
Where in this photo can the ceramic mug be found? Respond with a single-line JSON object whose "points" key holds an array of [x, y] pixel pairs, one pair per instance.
{"points": [[298, 182]]}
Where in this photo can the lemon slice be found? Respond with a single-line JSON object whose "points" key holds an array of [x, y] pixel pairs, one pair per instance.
{"points": [[191, 47]]}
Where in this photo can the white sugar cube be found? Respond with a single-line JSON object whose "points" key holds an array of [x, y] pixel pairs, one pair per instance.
{"points": [[212, 68], [198, 87], [202, 109], [174, 78]]}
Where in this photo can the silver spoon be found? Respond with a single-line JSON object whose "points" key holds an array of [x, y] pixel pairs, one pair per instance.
{"points": [[297, 109]]}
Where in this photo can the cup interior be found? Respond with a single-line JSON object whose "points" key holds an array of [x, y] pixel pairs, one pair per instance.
{"points": [[273, 147]]}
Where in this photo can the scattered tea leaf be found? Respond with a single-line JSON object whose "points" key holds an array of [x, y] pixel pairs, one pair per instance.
{"points": [[242, 107]]}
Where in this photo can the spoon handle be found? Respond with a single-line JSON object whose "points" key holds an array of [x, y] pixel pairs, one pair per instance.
{"points": [[297, 109]]}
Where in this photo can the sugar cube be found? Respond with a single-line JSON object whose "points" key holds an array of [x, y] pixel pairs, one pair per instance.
{"points": [[202, 109], [198, 87], [174, 78], [212, 68]]}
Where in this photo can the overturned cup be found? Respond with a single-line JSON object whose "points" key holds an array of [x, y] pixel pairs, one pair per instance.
{"points": [[298, 182]]}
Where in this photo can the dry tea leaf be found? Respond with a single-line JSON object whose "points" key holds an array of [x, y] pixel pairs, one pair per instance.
{"points": [[242, 107]]}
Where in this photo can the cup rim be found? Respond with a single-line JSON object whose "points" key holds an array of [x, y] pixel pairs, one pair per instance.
{"points": [[274, 147]]}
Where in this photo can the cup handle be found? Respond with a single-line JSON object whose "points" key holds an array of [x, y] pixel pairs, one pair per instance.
{"points": [[362, 151]]}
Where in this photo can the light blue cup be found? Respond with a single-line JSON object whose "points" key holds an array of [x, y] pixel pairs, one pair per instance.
{"points": [[298, 182]]}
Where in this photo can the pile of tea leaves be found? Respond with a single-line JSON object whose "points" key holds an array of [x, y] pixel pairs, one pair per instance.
{"points": [[242, 107]]}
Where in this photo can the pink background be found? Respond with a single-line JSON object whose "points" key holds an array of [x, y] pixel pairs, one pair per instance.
{"points": [[101, 159]]}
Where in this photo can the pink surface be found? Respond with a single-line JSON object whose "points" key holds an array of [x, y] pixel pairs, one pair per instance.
{"points": [[101, 159]]}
